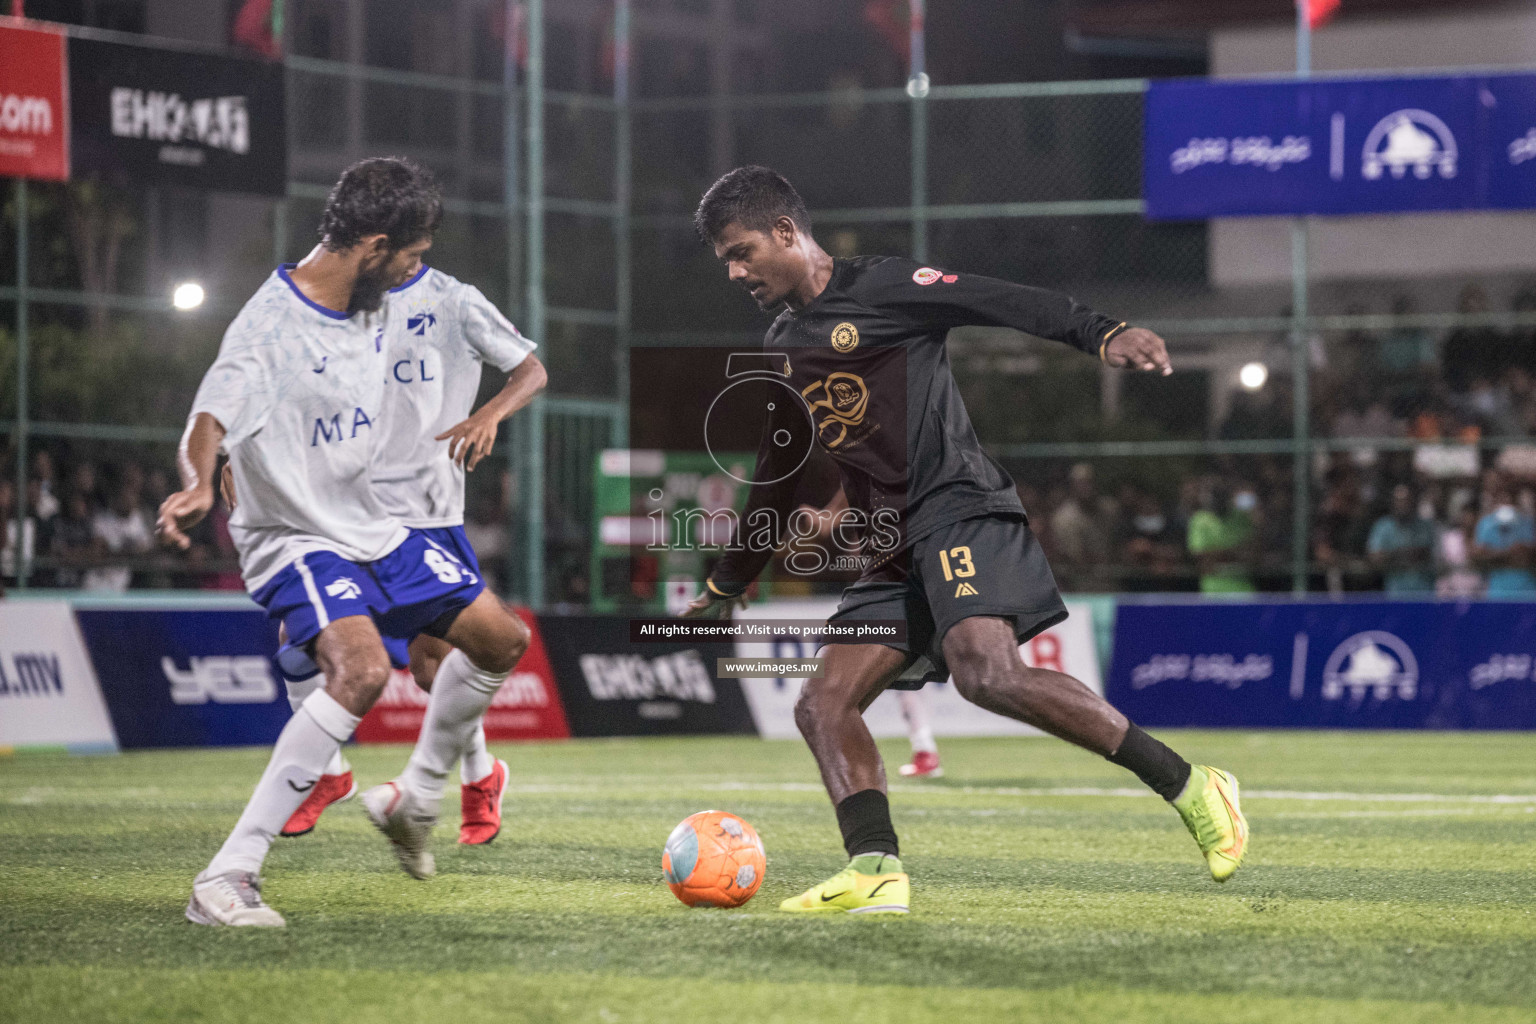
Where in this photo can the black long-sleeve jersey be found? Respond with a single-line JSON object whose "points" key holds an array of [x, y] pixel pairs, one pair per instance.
{"points": [[868, 359]]}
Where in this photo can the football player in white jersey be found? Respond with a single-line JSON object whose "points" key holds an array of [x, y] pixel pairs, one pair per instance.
{"points": [[293, 398], [440, 332]]}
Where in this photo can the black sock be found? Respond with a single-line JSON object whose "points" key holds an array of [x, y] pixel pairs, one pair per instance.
{"points": [[865, 818], [1153, 762]]}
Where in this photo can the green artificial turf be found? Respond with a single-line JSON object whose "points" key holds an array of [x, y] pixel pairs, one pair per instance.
{"points": [[1392, 878]]}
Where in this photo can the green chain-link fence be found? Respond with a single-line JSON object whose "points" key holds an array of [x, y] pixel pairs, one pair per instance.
{"points": [[1033, 182]]}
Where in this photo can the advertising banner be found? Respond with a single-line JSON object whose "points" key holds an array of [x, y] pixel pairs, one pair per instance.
{"points": [[1511, 105], [527, 707], [49, 696], [1327, 665], [613, 687], [142, 115], [1067, 647], [34, 104], [181, 678], [1339, 146]]}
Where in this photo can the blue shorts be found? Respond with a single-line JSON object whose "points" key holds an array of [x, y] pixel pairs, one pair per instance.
{"points": [[419, 587]]}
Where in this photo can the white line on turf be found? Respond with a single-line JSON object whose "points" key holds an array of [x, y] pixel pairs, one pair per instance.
{"points": [[730, 786]]}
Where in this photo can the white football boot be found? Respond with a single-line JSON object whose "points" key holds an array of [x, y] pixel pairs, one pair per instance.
{"points": [[406, 824], [232, 898]]}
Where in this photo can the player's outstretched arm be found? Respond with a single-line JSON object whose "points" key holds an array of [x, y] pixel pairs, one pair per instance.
{"points": [[472, 440], [196, 459], [929, 296]]}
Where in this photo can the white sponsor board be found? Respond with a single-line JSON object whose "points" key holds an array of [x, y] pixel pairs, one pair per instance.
{"points": [[49, 695], [1067, 647]]}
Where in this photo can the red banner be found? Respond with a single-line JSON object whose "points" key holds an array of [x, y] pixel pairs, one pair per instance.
{"points": [[527, 707], [34, 105], [1320, 11]]}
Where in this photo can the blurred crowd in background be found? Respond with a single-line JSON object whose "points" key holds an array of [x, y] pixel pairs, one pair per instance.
{"points": [[1430, 507], [1435, 491], [1374, 528], [91, 527]]}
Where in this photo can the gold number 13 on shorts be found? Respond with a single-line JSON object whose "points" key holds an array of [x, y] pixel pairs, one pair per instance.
{"points": [[962, 566]]}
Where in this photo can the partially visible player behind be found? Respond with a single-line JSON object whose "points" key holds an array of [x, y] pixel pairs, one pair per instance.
{"points": [[440, 333], [925, 749]]}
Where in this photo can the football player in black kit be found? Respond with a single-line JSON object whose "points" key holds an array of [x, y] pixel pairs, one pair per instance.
{"points": [[947, 544]]}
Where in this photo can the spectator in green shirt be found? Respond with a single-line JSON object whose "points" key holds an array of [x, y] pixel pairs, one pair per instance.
{"points": [[1223, 537]]}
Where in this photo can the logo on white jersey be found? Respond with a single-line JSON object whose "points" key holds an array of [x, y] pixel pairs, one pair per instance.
{"points": [[419, 323], [344, 589], [333, 430]]}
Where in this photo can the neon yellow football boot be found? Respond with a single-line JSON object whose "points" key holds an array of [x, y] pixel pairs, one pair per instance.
{"points": [[1211, 812], [851, 891]]}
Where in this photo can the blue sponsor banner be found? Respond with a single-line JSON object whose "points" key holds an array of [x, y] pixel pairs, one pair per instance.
{"points": [[1339, 146], [181, 678], [1327, 665], [1511, 102]]}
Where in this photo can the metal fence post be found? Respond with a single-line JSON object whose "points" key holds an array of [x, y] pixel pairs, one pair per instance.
{"points": [[917, 88], [280, 231], [23, 352], [533, 461], [511, 141], [618, 433], [1301, 405]]}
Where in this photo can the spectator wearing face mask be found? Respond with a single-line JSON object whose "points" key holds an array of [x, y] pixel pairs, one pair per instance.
{"points": [[1401, 546], [1150, 542], [1504, 544], [1223, 536]]}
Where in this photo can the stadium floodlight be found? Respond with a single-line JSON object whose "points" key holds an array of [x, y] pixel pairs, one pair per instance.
{"points": [[1253, 375], [188, 295]]}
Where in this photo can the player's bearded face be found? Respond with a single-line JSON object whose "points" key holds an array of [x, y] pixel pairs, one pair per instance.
{"points": [[381, 271]]}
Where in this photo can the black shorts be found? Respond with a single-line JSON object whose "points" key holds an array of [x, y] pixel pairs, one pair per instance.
{"points": [[989, 566]]}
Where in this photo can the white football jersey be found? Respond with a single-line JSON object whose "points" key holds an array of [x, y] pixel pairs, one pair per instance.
{"points": [[439, 332], [299, 390]]}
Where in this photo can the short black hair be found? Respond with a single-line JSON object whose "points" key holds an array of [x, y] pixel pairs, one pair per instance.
{"points": [[385, 195], [754, 197]]}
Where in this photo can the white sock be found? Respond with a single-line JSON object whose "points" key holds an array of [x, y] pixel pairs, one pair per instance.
{"points": [[298, 692], [461, 693], [303, 749], [478, 762], [919, 730]]}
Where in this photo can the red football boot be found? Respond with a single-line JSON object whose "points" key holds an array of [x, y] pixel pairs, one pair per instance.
{"points": [[480, 805], [925, 765], [329, 789]]}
